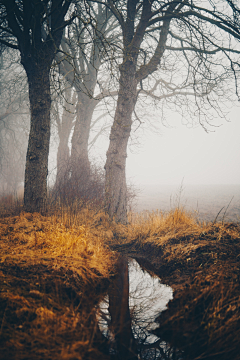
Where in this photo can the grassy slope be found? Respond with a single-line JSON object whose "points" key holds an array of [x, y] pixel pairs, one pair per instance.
{"points": [[52, 277], [54, 270], [202, 263]]}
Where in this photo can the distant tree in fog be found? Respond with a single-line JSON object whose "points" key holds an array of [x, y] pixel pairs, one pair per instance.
{"points": [[14, 123], [84, 52], [64, 117]]}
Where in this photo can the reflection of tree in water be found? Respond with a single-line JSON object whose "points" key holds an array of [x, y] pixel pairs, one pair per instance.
{"points": [[129, 311]]}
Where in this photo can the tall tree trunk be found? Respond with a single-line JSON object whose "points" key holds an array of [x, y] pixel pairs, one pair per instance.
{"points": [[115, 186], [63, 157], [79, 153], [64, 126], [35, 187]]}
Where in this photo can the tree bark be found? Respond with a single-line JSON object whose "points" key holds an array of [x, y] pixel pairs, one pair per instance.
{"points": [[35, 29], [35, 187], [64, 126], [79, 153], [115, 187], [133, 35], [63, 155]]}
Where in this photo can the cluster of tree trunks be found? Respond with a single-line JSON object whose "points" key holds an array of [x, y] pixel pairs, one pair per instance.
{"points": [[35, 29]]}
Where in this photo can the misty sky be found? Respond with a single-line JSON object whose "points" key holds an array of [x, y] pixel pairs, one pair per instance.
{"points": [[191, 155], [180, 154]]}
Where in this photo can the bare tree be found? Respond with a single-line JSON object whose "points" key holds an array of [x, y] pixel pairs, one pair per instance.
{"points": [[35, 29], [84, 50], [14, 123], [64, 116], [150, 31]]}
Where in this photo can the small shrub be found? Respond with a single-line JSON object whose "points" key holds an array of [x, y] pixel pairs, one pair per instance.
{"points": [[79, 184]]}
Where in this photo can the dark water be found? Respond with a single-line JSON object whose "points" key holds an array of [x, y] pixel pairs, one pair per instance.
{"points": [[205, 200], [148, 297]]}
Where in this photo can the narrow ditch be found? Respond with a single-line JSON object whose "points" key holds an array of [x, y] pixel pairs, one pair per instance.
{"points": [[127, 314]]}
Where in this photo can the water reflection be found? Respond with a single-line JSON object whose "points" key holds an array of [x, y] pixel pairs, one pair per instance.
{"points": [[147, 298], [128, 313]]}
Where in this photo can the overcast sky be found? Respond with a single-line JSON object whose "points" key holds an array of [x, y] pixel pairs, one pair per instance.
{"points": [[191, 154]]}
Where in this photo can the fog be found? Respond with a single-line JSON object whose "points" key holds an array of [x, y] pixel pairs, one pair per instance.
{"points": [[179, 153], [190, 155], [204, 165]]}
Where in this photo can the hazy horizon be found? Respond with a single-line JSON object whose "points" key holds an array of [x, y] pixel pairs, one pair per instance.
{"points": [[180, 153], [206, 201], [191, 156]]}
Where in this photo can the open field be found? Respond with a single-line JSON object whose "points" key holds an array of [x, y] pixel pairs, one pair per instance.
{"points": [[206, 201], [55, 270]]}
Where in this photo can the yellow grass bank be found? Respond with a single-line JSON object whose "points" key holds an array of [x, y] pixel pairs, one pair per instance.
{"points": [[55, 270]]}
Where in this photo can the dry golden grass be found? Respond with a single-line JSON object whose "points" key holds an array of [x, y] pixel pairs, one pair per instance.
{"points": [[201, 262], [39, 239], [160, 227], [34, 329], [53, 277], [55, 269], [176, 234]]}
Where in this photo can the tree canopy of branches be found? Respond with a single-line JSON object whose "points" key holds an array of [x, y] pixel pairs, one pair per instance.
{"points": [[161, 49], [35, 28], [154, 34]]}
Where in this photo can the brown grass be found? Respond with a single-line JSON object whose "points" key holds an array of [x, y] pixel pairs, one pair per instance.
{"points": [[36, 238], [56, 269], [201, 262], [160, 227], [54, 276]]}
